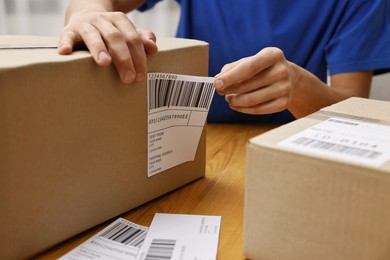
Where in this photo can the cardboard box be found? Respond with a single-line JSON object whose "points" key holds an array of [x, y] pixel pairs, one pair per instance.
{"points": [[319, 187], [73, 141]]}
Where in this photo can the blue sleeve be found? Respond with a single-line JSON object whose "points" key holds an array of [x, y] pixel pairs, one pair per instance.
{"points": [[148, 5], [362, 39]]}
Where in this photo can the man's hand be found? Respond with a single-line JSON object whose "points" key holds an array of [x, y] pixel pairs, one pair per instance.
{"points": [[268, 83], [111, 38], [260, 84]]}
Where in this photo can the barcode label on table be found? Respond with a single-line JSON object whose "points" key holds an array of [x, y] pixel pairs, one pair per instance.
{"points": [[344, 139], [121, 240], [178, 236], [125, 233], [161, 249]]}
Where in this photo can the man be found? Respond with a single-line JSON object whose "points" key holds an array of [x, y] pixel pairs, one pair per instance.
{"points": [[277, 53]]}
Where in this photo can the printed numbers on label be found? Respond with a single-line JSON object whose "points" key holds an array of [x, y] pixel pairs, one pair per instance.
{"points": [[162, 76]]}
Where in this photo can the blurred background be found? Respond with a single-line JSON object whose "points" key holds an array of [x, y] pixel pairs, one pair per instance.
{"points": [[46, 17]]}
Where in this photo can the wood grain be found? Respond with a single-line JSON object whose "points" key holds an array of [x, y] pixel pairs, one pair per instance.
{"points": [[220, 193]]}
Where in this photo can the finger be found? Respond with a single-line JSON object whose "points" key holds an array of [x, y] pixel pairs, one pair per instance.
{"points": [[149, 40], [95, 44], [118, 50], [233, 74], [66, 42], [239, 71], [246, 68], [146, 34], [260, 80], [259, 96], [135, 47], [229, 66], [138, 55], [277, 73], [269, 107]]}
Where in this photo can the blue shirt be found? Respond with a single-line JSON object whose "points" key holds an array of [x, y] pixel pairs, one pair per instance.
{"points": [[318, 35]]}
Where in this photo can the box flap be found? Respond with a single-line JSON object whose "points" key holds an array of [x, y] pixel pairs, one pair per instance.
{"points": [[27, 42], [24, 50], [375, 111]]}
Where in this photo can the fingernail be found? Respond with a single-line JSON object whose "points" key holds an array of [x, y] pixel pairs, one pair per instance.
{"points": [[103, 56], [150, 39], [64, 48], [140, 77], [129, 77], [219, 84]]}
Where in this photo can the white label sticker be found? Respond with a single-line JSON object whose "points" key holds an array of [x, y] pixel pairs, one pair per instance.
{"points": [[177, 111], [345, 139], [176, 236], [121, 240]]}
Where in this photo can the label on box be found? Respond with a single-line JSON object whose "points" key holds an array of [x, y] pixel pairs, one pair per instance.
{"points": [[177, 111], [121, 240], [176, 236], [345, 139]]}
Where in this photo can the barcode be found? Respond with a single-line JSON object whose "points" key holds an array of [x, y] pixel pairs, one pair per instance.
{"points": [[342, 122], [161, 249], [338, 148], [125, 234], [167, 93]]}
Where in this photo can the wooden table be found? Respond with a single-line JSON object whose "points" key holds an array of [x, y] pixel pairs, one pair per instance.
{"points": [[221, 193]]}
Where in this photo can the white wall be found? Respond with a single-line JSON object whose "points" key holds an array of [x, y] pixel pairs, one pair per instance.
{"points": [[381, 87], [45, 17], [162, 19], [35, 17]]}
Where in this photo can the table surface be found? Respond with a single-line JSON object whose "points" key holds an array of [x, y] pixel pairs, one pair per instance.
{"points": [[220, 193]]}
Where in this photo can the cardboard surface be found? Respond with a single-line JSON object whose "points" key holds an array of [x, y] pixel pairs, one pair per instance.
{"points": [[73, 141], [301, 205]]}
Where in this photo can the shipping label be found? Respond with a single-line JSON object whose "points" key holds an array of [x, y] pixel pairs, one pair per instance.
{"points": [[177, 112], [344, 139]]}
